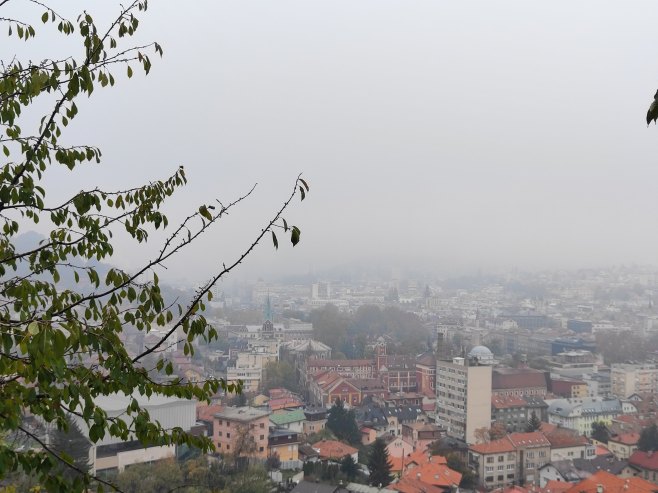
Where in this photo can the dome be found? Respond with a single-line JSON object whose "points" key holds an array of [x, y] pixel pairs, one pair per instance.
{"points": [[481, 353]]}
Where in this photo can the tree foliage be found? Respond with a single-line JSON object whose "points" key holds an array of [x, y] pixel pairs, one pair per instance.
{"points": [[62, 316], [600, 432], [72, 444], [349, 467], [342, 423], [379, 464], [280, 374], [534, 423], [648, 439]]}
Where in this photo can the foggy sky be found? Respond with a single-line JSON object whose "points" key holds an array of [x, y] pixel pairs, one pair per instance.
{"points": [[462, 135]]}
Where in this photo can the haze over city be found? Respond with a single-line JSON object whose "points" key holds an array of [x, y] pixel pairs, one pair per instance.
{"points": [[451, 135]]}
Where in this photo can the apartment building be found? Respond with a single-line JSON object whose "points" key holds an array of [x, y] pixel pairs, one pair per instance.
{"points": [[233, 423], [628, 379], [579, 414], [463, 398], [519, 382]]}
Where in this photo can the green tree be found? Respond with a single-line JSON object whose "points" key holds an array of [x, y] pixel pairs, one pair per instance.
{"points": [[600, 432], [71, 443], [648, 441], [456, 463], [534, 423], [348, 467], [280, 374], [62, 313], [342, 423], [379, 464]]}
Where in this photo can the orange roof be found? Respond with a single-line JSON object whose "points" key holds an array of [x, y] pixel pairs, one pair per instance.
{"points": [[435, 474], [283, 403], [420, 457], [396, 463], [505, 402], [563, 437], [494, 447], [333, 449], [548, 427], [411, 485], [612, 484], [555, 486], [601, 450], [644, 460], [533, 439], [626, 438]]}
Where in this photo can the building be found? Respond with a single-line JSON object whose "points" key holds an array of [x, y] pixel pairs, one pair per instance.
{"points": [[646, 463], [397, 372], [495, 462], [575, 470], [533, 451], [284, 444], [623, 445], [605, 482], [514, 412], [112, 454], [519, 382], [568, 444], [628, 379], [579, 414], [420, 435], [234, 423], [292, 420], [463, 398], [316, 420], [568, 387], [351, 368], [335, 450], [426, 374]]}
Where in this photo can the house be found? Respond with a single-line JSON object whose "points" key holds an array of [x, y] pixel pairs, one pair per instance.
{"points": [[316, 420], [518, 382], [283, 443], [292, 420], [533, 451], [368, 435], [568, 444], [420, 434], [573, 471], [233, 422], [514, 411], [623, 445], [335, 450], [495, 462], [327, 386], [647, 463], [426, 373], [605, 482], [579, 414]]}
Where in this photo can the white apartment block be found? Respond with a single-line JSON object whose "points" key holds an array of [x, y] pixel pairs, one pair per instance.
{"points": [[463, 398], [627, 379]]}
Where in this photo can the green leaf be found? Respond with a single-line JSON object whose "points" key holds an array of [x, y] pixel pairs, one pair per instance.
{"points": [[130, 72], [294, 236], [203, 210], [33, 328], [275, 241], [305, 184], [5, 149], [301, 190], [44, 17]]}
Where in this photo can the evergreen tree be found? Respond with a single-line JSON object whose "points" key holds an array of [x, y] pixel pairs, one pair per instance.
{"points": [[379, 465], [73, 445], [342, 423], [348, 467], [600, 432], [648, 439], [534, 423]]}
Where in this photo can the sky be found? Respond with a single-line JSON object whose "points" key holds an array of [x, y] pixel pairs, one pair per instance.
{"points": [[454, 136]]}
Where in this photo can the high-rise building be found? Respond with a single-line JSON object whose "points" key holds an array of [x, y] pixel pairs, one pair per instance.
{"points": [[628, 379], [463, 397]]}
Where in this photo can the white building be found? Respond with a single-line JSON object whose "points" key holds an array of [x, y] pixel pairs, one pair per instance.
{"points": [[113, 454], [579, 414], [463, 398], [627, 379]]}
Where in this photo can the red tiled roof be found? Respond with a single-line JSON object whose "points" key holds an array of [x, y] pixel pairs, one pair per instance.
{"points": [[435, 474], [563, 437], [517, 378], [333, 449], [626, 438], [644, 460], [412, 485], [524, 440], [612, 484], [555, 486], [506, 402], [343, 363], [494, 447]]}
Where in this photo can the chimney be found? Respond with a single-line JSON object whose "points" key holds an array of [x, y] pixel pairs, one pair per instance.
{"points": [[599, 488]]}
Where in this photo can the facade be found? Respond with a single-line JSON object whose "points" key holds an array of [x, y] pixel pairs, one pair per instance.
{"points": [[495, 462], [623, 445], [284, 443], [518, 382], [316, 420], [111, 454], [627, 379], [291, 420], [646, 463], [463, 398], [249, 377], [426, 374], [233, 424], [350, 368], [579, 414], [515, 411]]}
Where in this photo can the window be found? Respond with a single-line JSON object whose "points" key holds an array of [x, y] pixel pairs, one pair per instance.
{"points": [[489, 479], [219, 433], [262, 437], [260, 449], [228, 435], [262, 425], [488, 469], [490, 460], [500, 477], [228, 447], [530, 455], [511, 467], [220, 422], [501, 468], [501, 458]]}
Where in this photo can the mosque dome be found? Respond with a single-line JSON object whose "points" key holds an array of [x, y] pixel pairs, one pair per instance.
{"points": [[482, 353]]}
